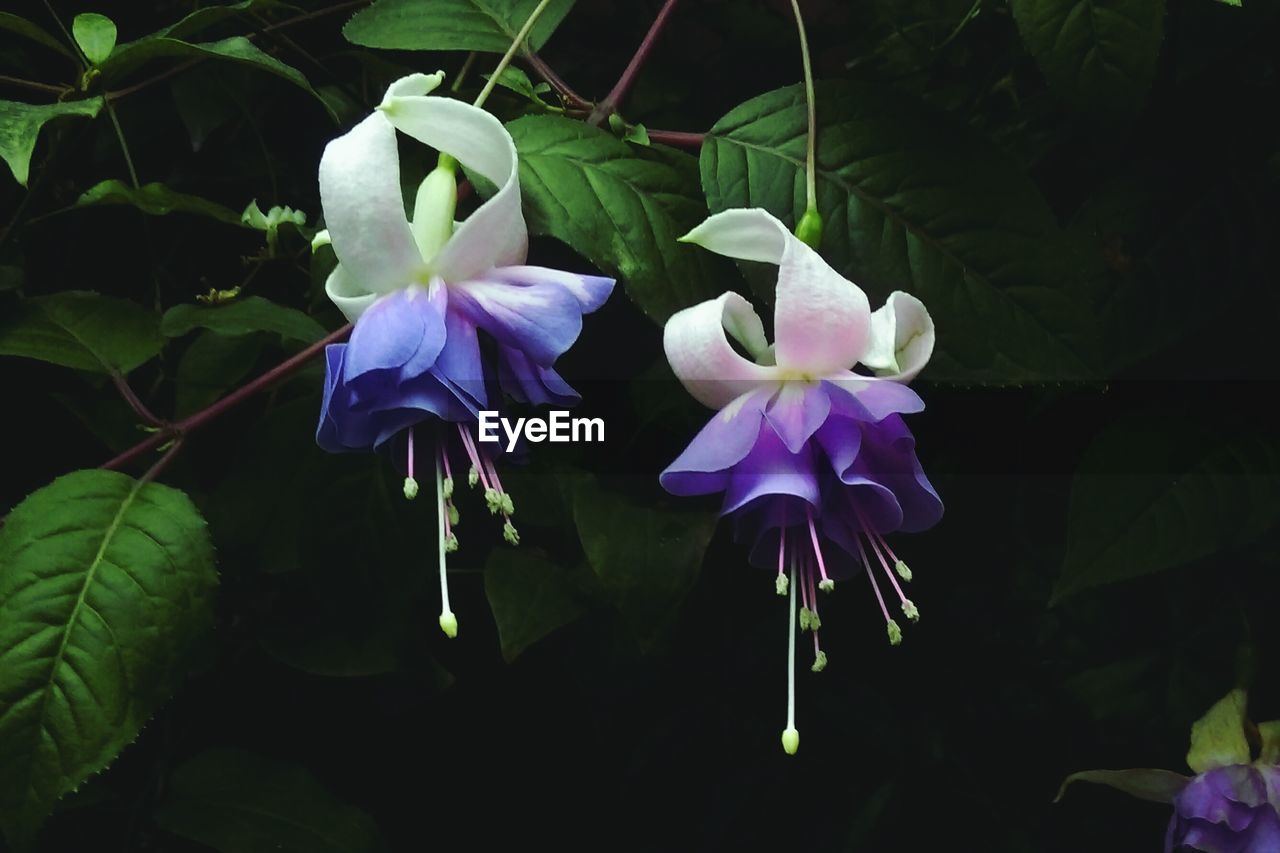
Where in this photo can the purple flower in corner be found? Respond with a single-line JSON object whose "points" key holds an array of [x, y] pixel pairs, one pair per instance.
{"points": [[815, 462], [1232, 804], [423, 291]]}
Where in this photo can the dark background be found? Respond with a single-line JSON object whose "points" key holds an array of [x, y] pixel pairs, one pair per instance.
{"points": [[958, 739]]}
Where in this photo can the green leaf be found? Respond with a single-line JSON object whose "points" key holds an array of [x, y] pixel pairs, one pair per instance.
{"points": [[1156, 786], [20, 125], [627, 209], [155, 199], [17, 24], [515, 80], [212, 366], [208, 16], [243, 317], [131, 55], [1099, 56], [912, 200], [237, 802], [483, 25], [1237, 3], [1154, 494], [106, 588], [96, 35], [645, 558], [84, 331], [1218, 738], [530, 597]]}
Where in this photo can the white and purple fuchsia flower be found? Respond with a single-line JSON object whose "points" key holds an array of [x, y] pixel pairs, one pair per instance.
{"points": [[814, 459], [423, 292]]}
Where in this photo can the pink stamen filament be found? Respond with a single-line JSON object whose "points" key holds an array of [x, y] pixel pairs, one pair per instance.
{"points": [[782, 550], [803, 580], [871, 577], [817, 551], [473, 455], [444, 457], [871, 537], [409, 463], [885, 545]]}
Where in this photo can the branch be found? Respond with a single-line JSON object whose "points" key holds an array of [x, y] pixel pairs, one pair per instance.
{"points": [[556, 82], [34, 86], [139, 408], [605, 108], [677, 138], [193, 422]]}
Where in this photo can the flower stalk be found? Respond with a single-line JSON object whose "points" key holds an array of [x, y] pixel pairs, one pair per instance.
{"points": [[809, 229], [511, 52]]}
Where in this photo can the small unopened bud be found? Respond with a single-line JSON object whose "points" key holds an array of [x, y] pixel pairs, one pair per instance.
{"points": [[449, 624], [781, 584], [510, 533], [446, 488], [902, 570], [826, 584], [410, 488], [810, 228], [473, 477], [450, 543], [895, 633], [910, 610], [791, 740], [819, 661]]}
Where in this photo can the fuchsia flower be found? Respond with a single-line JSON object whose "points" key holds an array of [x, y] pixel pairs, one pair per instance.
{"points": [[814, 459], [423, 292]]}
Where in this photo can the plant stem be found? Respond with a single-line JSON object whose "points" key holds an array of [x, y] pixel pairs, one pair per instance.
{"points": [[677, 138], [811, 163], [139, 408], [124, 146], [463, 71], [163, 462], [34, 86], [556, 82], [198, 419], [605, 108], [511, 51]]}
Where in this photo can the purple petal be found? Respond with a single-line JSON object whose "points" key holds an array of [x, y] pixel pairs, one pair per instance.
{"points": [[403, 331], [725, 441], [459, 365], [886, 458], [590, 291], [770, 469], [796, 413], [865, 399], [543, 320], [531, 383]]}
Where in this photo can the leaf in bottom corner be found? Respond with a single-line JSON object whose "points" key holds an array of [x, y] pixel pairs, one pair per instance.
{"points": [[106, 588]]}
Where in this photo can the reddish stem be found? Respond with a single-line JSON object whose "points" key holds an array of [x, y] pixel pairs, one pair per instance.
{"points": [[605, 108], [139, 408], [563, 89], [677, 138], [221, 407]]}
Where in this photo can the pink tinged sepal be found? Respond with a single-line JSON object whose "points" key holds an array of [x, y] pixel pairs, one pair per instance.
{"points": [[1157, 786], [698, 348], [902, 338], [821, 319]]}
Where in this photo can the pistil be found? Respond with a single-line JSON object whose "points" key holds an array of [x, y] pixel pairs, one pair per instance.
{"points": [[448, 621], [790, 736]]}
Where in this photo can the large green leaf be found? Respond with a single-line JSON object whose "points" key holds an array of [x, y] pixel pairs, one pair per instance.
{"points": [[237, 802], [128, 57], [1154, 494], [21, 26], [483, 25], [1099, 56], [20, 125], [912, 200], [243, 317], [155, 199], [645, 558], [106, 587], [530, 597], [620, 210], [83, 330]]}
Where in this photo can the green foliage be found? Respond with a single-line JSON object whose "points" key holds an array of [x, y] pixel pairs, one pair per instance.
{"points": [[627, 210], [915, 201], [95, 34], [481, 25], [20, 125], [106, 586], [83, 330], [236, 802], [156, 200], [242, 317], [211, 366], [530, 597], [20, 25], [1098, 55], [1154, 495]]}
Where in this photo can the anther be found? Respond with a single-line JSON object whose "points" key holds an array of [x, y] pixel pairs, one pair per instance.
{"points": [[902, 570], [895, 633], [910, 610], [510, 533], [410, 488], [819, 661]]}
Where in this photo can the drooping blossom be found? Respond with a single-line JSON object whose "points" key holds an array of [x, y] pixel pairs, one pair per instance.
{"points": [[814, 459], [424, 292], [1232, 804]]}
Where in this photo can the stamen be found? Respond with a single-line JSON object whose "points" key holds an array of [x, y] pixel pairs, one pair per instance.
{"points": [[814, 622], [892, 626], [781, 583], [448, 622], [898, 565], [790, 736], [908, 609], [410, 484], [505, 503], [805, 612], [826, 584], [476, 474]]}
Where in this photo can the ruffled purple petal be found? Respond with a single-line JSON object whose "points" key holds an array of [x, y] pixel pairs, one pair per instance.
{"points": [[770, 469], [885, 456], [796, 412], [527, 382], [403, 332], [703, 468], [865, 399], [459, 366], [591, 291], [540, 319], [1225, 810]]}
